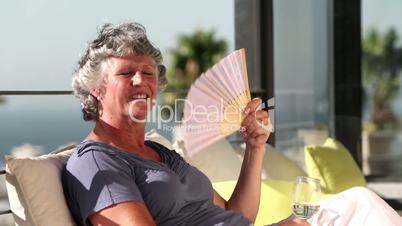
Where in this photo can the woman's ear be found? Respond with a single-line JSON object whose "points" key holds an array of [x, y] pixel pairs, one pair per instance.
{"points": [[96, 93]]}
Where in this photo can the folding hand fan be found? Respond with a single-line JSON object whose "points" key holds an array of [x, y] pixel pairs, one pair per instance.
{"points": [[215, 102]]}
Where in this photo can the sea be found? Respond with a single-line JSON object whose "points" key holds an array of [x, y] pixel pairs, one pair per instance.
{"points": [[41, 124]]}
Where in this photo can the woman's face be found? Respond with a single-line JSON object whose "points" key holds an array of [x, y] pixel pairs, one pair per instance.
{"points": [[131, 87]]}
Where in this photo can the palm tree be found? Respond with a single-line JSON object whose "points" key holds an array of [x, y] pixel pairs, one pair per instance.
{"points": [[194, 54], [382, 65]]}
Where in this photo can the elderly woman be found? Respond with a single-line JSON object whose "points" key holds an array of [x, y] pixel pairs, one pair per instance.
{"points": [[115, 177]]}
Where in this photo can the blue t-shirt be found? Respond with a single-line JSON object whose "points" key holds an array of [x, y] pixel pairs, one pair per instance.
{"points": [[98, 175]]}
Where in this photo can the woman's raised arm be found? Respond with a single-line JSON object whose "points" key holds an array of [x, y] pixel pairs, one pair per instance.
{"points": [[246, 195]]}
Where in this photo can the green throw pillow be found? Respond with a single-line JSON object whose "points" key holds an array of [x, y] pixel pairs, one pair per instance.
{"points": [[334, 166]]}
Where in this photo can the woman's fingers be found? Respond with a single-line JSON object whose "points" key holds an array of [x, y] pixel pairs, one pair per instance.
{"points": [[255, 120], [256, 125], [252, 105], [260, 117]]}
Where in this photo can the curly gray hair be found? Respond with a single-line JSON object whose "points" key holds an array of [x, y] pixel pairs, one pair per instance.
{"points": [[113, 40]]}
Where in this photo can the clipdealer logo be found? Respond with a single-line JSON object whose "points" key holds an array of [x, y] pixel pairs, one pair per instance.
{"points": [[203, 116]]}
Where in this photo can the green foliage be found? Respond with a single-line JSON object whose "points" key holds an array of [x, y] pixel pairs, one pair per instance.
{"points": [[382, 65], [195, 53]]}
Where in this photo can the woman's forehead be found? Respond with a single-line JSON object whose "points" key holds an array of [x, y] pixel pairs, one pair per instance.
{"points": [[132, 60]]}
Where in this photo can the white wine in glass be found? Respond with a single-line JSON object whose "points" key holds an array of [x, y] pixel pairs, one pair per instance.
{"points": [[306, 197]]}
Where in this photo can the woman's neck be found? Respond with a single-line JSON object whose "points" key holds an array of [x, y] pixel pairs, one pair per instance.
{"points": [[126, 136]]}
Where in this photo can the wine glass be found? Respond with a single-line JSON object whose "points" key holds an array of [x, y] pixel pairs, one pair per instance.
{"points": [[306, 197]]}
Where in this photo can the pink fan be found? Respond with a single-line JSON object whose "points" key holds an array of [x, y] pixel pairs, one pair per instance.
{"points": [[215, 102]]}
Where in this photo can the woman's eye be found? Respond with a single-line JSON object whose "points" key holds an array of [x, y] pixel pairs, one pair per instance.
{"points": [[149, 73], [126, 74]]}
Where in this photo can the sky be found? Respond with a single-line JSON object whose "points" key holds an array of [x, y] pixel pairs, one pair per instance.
{"points": [[41, 40], [382, 14]]}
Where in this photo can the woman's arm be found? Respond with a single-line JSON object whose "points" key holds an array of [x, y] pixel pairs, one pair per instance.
{"points": [[246, 195], [132, 213]]}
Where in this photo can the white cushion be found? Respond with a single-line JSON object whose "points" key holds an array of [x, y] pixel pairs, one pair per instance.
{"points": [[34, 186], [218, 161], [277, 166], [35, 191], [222, 162]]}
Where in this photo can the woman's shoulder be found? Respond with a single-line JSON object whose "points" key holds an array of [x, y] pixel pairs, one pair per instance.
{"points": [[94, 155], [88, 146]]}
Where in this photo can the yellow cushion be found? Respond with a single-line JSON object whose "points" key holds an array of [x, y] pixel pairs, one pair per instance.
{"points": [[275, 199], [334, 166]]}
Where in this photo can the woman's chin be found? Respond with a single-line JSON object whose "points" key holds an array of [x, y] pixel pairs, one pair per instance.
{"points": [[138, 115]]}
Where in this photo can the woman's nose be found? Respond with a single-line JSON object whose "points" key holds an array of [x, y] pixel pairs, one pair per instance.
{"points": [[137, 78]]}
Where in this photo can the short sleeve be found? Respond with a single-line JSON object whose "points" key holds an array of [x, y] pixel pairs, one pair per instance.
{"points": [[96, 180]]}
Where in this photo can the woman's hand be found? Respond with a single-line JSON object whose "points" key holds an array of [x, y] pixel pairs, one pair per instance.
{"points": [[292, 220], [256, 125], [295, 222]]}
